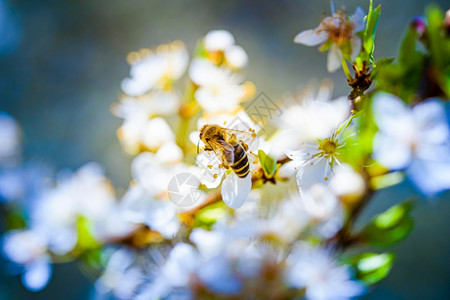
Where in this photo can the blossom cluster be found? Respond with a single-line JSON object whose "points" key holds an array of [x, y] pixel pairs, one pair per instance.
{"points": [[281, 230]]}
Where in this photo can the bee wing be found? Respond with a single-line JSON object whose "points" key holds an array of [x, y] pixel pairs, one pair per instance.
{"points": [[248, 137], [223, 150]]}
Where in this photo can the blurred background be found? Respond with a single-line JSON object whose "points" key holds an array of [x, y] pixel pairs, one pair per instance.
{"points": [[61, 64]]}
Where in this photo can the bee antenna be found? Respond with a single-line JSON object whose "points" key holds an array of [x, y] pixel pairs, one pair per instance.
{"points": [[197, 145]]}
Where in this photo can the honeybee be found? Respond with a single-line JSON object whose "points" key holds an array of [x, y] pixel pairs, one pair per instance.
{"points": [[230, 147]]}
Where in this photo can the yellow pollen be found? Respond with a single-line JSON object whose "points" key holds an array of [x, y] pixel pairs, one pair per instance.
{"points": [[328, 146], [215, 175], [210, 166]]}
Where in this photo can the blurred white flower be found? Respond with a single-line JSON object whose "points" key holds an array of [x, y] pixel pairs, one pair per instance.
{"points": [[218, 274], [347, 183], [147, 106], [289, 221], [216, 40], [28, 248], [157, 70], [121, 276], [85, 193], [322, 208], [222, 40], [112, 225], [218, 89], [228, 256], [316, 271], [338, 32], [141, 133], [12, 186], [9, 137], [154, 171], [156, 133], [24, 184], [141, 207], [415, 139], [176, 273]]}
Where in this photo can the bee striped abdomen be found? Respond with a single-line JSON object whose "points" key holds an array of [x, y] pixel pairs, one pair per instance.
{"points": [[241, 166]]}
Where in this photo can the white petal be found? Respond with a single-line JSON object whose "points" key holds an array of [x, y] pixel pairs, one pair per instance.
{"points": [[235, 190], [217, 274], [133, 204], [203, 72], [289, 169], [311, 37], [390, 152], [356, 47], [393, 117], [169, 153], [156, 132], [316, 171], [430, 177], [218, 40], [236, 56], [162, 104], [37, 274], [135, 87], [63, 239], [182, 261], [209, 243], [358, 19], [431, 121], [209, 163], [334, 58], [347, 182]]}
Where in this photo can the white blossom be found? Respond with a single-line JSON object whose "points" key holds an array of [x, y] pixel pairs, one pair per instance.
{"points": [[29, 249], [85, 193], [176, 273], [157, 70], [316, 271], [121, 276], [340, 32], [222, 40], [415, 139], [311, 138], [218, 88]]}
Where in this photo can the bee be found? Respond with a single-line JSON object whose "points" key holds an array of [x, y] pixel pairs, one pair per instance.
{"points": [[230, 147]]}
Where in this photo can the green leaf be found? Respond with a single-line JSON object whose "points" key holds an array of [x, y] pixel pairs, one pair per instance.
{"points": [[326, 46], [381, 63], [268, 164], [370, 268], [209, 215], [371, 28], [434, 34], [439, 47], [85, 238], [390, 226], [408, 50]]}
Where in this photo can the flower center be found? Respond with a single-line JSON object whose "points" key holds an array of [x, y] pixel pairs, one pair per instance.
{"points": [[328, 146], [338, 28]]}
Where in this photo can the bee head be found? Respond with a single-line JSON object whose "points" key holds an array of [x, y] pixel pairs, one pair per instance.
{"points": [[202, 131]]}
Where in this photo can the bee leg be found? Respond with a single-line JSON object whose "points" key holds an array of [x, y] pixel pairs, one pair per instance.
{"points": [[208, 149]]}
